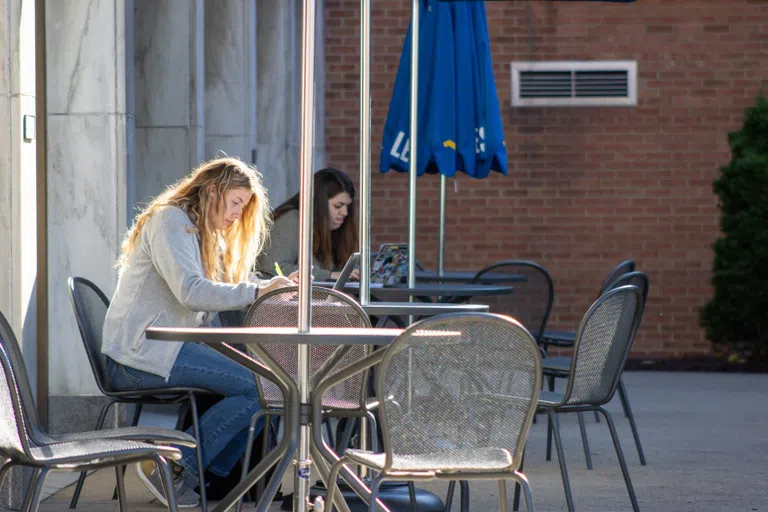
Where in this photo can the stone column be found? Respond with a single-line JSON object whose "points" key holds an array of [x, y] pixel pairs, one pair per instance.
{"points": [[230, 78], [278, 95], [169, 81], [18, 189], [89, 165]]}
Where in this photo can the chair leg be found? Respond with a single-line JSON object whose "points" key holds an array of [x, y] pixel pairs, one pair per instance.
{"points": [[134, 422], [597, 417], [329, 433], [522, 481], [27, 504], [584, 440], [5, 466], [561, 459], [333, 477], [412, 495], [516, 499], [346, 437], [121, 488], [549, 439], [35, 493], [249, 447], [464, 485], [83, 474], [628, 412], [551, 382], [502, 496], [374, 431], [449, 496], [620, 456], [167, 478], [199, 451], [375, 484]]}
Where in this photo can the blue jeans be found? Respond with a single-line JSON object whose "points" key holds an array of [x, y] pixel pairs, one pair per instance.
{"points": [[223, 427]]}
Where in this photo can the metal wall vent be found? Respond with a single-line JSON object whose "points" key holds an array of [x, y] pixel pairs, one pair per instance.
{"points": [[574, 83]]}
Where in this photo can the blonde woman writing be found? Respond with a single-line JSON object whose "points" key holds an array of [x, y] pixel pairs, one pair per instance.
{"points": [[187, 257]]}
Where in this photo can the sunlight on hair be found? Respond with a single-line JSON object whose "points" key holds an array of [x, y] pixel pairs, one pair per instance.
{"points": [[229, 254]]}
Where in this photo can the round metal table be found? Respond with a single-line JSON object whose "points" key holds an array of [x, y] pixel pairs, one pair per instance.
{"points": [[297, 415]]}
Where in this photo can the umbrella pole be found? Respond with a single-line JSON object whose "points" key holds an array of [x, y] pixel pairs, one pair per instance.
{"points": [[441, 230], [365, 175], [413, 161], [303, 462], [365, 152]]}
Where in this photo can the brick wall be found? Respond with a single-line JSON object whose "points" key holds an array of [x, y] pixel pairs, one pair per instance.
{"points": [[587, 187]]}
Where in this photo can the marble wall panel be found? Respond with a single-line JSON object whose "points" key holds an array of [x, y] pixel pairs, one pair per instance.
{"points": [[161, 154], [80, 40], [5, 47], [83, 227], [6, 204], [162, 62], [227, 52]]}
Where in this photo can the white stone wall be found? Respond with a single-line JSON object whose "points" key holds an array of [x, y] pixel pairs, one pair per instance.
{"points": [[88, 164], [18, 179]]}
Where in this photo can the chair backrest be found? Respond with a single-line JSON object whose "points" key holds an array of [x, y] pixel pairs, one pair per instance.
{"points": [[618, 271], [330, 308], [90, 306], [459, 381], [16, 401], [531, 302], [603, 342], [636, 278]]}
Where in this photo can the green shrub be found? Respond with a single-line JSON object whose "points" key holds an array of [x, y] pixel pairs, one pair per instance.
{"points": [[736, 318]]}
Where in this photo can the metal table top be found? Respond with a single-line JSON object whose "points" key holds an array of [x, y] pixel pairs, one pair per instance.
{"points": [[421, 309], [468, 276], [287, 335], [442, 290]]}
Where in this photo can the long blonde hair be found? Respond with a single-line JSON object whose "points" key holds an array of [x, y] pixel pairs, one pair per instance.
{"points": [[227, 254]]}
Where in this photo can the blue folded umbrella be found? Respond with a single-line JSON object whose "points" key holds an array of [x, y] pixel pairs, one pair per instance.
{"points": [[466, 97], [436, 114], [491, 151]]}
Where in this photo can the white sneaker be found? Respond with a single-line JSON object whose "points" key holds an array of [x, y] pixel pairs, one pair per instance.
{"points": [[185, 497]]}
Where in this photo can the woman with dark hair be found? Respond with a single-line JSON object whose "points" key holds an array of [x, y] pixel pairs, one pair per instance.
{"points": [[334, 236]]}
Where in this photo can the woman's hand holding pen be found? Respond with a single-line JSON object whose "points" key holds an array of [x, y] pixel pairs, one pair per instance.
{"points": [[276, 283]]}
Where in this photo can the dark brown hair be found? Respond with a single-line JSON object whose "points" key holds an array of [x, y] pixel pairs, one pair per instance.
{"points": [[331, 248]]}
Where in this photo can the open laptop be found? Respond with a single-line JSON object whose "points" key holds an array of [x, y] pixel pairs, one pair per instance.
{"points": [[352, 264], [391, 265]]}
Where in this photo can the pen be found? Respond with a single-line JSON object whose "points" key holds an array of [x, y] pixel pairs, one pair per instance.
{"points": [[279, 271]]}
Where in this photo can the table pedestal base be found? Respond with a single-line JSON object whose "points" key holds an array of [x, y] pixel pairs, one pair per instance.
{"points": [[394, 494]]}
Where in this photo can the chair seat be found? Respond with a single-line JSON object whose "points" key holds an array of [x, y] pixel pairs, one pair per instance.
{"points": [[169, 395], [559, 338], [478, 460], [335, 404], [147, 434], [550, 398], [558, 364], [97, 451]]}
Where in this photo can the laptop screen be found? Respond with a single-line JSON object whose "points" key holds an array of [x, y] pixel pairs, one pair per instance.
{"points": [[391, 265]]}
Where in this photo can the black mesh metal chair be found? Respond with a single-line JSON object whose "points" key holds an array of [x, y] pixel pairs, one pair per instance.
{"points": [[603, 341], [458, 394], [23, 442], [532, 301], [567, 338], [90, 306], [560, 367], [330, 308]]}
